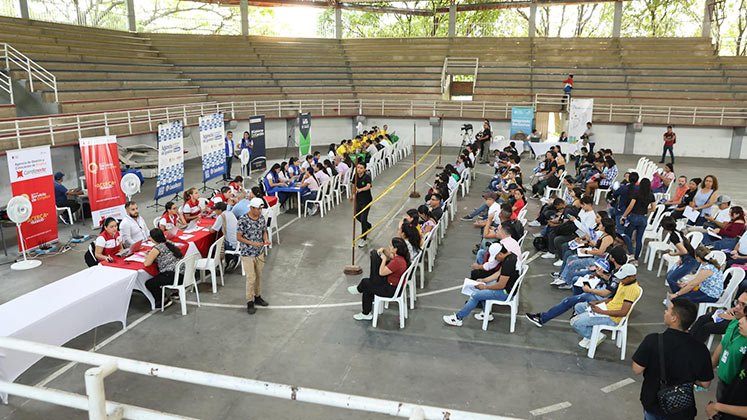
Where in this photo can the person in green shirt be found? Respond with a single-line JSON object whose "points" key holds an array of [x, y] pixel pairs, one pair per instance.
{"points": [[729, 354]]}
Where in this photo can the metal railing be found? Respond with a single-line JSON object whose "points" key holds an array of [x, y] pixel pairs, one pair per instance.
{"points": [[13, 57], [100, 409], [65, 129], [471, 63]]}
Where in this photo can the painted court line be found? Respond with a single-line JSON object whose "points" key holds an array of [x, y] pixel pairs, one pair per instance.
{"points": [[617, 385], [550, 408]]}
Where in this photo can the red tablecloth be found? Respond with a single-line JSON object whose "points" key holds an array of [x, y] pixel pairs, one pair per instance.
{"points": [[202, 239], [271, 200]]}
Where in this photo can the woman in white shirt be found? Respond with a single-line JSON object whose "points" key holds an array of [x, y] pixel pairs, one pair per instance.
{"points": [[309, 188], [191, 209], [109, 242], [320, 173], [170, 218]]}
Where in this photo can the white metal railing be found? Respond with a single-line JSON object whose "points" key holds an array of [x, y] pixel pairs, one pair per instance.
{"points": [[104, 365], [6, 85], [65, 129], [13, 57], [471, 63]]}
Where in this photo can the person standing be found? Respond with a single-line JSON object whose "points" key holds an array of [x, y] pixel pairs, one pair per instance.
{"points": [[483, 139], [590, 137], [229, 149], [252, 236], [733, 405], [670, 138], [728, 356], [567, 89], [684, 359], [362, 195]]}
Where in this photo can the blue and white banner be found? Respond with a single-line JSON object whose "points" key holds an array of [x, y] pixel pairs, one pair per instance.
{"points": [[212, 133], [581, 113], [170, 159], [522, 119]]}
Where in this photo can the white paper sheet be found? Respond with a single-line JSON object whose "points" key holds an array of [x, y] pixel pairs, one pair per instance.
{"points": [[691, 214], [602, 306], [468, 288], [592, 281]]}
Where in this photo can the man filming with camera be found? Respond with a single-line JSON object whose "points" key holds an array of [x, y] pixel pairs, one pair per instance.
{"points": [[483, 139]]}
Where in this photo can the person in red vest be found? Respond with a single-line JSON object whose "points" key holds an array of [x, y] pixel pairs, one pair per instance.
{"points": [[109, 242]]}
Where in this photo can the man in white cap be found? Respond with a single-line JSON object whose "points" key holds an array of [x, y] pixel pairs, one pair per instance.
{"points": [[252, 235], [608, 311]]}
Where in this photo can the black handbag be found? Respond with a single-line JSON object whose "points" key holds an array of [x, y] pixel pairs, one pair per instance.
{"points": [[673, 398]]}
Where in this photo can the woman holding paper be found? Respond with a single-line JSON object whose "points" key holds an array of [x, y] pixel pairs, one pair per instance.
{"points": [[577, 265], [707, 284], [704, 199], [682, 249], [727, 236], [191, 209]]}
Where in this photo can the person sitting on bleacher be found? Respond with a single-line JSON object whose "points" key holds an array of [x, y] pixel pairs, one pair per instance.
{"points": [[707, 284], [495, 286], [589, 314], [170, 217]]}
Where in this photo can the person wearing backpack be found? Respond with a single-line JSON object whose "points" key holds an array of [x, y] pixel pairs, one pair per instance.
{"points": [[669, 359]]}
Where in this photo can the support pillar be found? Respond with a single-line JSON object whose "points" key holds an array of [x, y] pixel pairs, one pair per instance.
{"points": [[737, 139], [629, 145], [707, 15], [452, 19], [532, 19], [338, 22], [131, 21], [617, 19], [244, 10], [23, 6]]}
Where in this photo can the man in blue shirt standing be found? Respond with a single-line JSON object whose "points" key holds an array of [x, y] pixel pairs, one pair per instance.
{"points": [[229, 148], [62, 195]]}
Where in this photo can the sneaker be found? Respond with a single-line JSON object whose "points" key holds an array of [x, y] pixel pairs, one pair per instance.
{"points": [[314, 210], [467, 218], [353, 290], [259, 301], [558, 263], [537, 235], [547, 255], [584, 343], [565, 286], [452, 320], [534, 319], [479, 316], [535, 196], [634, 262], [557, 282], [360, 316], [250, 309], [602, 337], [534, 223], [362, 243], [555, 274]]}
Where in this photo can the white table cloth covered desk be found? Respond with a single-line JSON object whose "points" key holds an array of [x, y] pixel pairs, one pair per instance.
{"points": [[60, 311], [541, 147]]}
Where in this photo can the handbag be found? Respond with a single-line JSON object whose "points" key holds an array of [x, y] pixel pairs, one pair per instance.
{"points": [[672, 398]]}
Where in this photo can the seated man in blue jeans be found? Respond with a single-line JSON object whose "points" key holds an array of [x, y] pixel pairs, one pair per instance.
{"points": [[497, 286], [589, 314]]}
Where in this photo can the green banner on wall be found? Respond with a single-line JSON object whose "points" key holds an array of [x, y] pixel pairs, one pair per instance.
{"points": [[304, 126]]}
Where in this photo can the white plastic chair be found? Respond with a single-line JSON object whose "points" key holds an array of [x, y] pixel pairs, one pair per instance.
{"points": [[654, 247], [335, 190], [720, 258], [695, 239], [345, 183], [728, 295], [638, 166], [400, 297], [522, 216], [521, 240], [238, 254], [318, 200], [429, 247], [558, 191], [187, 265], [156, 221], [512, 301], [466, 181], [599, 191], [70, 217], [412, 285], [212, 263], [619, 332], [273, 213]]}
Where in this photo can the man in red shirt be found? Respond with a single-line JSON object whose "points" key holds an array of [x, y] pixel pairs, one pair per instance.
{"points": [[679, 192], [567, 88], [669, 140]]}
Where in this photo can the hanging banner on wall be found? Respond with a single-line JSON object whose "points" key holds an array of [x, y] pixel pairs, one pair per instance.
{"points": [[170, 159], [101, 165], [212, 133], [31, 175], [581, 113], [257, 134], [304, 141], [522, 119]]}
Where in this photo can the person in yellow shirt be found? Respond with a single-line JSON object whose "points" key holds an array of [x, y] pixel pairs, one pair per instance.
{"points": [[609, 311], [342, 149], [384, 130]]}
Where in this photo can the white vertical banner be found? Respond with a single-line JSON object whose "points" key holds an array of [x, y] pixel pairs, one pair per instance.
{"points": [[581, 113], [170, 159], [212, 133]]}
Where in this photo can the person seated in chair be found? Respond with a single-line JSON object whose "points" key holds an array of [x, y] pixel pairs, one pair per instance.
{"points": [[132, 227], [170, 217], [166, 256], [227, 224], [109, 241], [707, 284], [62, 196]]}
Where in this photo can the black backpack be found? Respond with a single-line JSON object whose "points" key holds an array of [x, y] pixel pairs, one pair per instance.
{"points": [[540, 244]]}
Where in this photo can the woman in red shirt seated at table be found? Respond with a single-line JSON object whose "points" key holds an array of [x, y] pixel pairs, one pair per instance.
{"points": [[169, 218], [109, 242], [191, 209], [237, 185], [387, 267], [165, 255]]}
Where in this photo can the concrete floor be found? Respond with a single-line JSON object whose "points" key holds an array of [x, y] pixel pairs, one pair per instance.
{"points": [[302, 340]]}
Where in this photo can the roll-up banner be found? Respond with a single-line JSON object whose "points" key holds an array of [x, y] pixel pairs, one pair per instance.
{"points": [[212, 133], [170, 159], [259, 149], [31, 175], [304, 141], [522, 119], [103, 177], [581, 113]]}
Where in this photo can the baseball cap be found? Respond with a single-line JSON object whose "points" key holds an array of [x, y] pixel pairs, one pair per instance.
{"points": [[256, 203], [58, 175], [603, 264], [626, 271], [490, 195], [723, 199], [494, 250]]}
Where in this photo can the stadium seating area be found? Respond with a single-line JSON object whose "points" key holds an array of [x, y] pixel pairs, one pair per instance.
{"points": [[102, 69]]}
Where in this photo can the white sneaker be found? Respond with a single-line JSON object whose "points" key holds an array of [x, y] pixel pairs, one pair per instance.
{"points": [[557, 282], [565, 286], [602, 337], [353, 290], [534, 223], [360, 316], [537, 235], [362, 243], [558, 263], [314, 210], [584, 343], [452, 320], [479, 316], [547, 255]]}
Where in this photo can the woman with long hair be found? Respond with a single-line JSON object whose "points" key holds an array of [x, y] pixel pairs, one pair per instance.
{"points": [[411, 236], [707, 284], [427, 218], [309, 187], [705, 198], [294, 170], [635, 217], [109, 241], [165, 255], [362, 185], [387, 266], [575, 265], [330, 168], [682, 249], [191, 209], [169, 218], [729, 233]]}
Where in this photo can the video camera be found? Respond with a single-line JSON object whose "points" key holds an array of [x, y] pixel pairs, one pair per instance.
{"points": [[466, 127]]}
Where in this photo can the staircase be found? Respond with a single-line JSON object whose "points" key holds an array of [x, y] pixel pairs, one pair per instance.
{"points": [[459, 66]]}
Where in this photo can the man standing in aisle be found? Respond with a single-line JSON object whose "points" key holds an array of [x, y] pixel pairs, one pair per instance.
{"points": [[670, 138], [229, 148], [589, 137], [252, 236]]}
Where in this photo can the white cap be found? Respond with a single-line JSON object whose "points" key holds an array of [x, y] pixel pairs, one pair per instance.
{"points": [[256, 203], [626, 270], [494, 250]]}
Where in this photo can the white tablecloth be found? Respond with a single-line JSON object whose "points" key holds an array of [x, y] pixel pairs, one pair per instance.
{"points": [[541, 147], [61, 311], [143, 276]]}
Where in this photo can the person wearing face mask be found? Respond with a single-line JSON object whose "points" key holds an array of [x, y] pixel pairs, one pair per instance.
{"points": [[132, 227]]}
